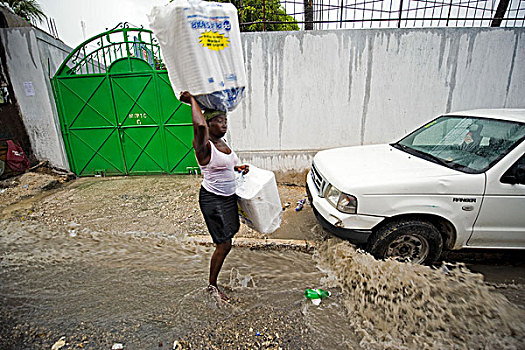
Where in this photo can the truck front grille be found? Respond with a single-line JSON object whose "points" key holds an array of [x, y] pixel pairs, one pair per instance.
{"points": [[318, 180]]}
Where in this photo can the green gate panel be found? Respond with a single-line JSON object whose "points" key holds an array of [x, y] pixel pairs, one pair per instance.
{"points": [[95, 151], [143, 150], [129, 64], [178, 129], [117, 109], [137, 109], [87, 102], [136, 100], [180, 150], [173, 111]]}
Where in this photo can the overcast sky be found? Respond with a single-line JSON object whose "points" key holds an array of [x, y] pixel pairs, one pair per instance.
{"points": [[96, 14]]}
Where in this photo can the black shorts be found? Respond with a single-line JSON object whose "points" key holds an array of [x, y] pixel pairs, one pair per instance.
{"points": [[221, 215]]}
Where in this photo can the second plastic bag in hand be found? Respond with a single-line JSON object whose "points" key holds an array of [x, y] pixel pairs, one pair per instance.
{"points": [[259, 202], [201, 45]]}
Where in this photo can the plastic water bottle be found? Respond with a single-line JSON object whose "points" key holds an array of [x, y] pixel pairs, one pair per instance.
{"points": [[300, 205], [316, 295]]}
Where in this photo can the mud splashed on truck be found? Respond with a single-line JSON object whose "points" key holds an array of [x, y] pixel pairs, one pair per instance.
{"points": [[405, 306]]}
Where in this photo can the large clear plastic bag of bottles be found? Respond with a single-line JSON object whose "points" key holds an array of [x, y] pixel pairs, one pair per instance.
{"points": [[201, 47]]}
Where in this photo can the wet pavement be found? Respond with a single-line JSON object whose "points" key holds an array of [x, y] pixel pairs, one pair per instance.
{"points": [[101, 261]]}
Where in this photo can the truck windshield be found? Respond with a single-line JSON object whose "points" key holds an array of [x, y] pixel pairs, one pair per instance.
{"points": [[467, 144]]}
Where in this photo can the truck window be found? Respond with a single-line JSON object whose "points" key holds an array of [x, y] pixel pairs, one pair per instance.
{"points": [[514, 172], [467, 144]]}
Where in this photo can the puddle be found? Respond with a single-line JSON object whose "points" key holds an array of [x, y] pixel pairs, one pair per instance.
{"points": [[142, 289], [147, 290]]}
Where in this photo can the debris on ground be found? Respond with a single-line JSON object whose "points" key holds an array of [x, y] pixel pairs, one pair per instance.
{"points": [[316, 295], [30, 184], [300, 205], [59, 344]]}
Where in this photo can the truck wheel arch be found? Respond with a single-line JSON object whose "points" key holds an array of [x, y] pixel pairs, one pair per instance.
{"points": [[444, 226]]}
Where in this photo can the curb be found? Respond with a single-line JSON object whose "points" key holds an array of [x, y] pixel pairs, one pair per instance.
{"points": [[259, 243]]}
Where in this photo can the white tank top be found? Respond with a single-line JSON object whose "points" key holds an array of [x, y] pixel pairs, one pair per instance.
{"points": [[219, 176]]}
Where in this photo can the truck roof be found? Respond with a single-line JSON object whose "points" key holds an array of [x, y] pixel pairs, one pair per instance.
{"points": [[511, 114]]}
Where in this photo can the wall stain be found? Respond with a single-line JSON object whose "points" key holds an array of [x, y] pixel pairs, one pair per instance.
{"points": [[398, 36], [340, 44], [280, 85], [358, 42], [452, 67], [279, 79], [511, 70], [265, 54], [470, 51], [272, 75], [350, 67], [300, 36], [247, 53], [359, 48], [368, 84], [27, 35], [442, 46]]}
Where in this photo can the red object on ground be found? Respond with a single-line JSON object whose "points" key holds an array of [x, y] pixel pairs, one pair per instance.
{"points": [[16, 158]]}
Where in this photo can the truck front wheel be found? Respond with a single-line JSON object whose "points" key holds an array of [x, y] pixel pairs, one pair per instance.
{"points": [[412, 240]]}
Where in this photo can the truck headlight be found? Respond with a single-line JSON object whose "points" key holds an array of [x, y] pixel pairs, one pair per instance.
{"points": [[341, 201]]}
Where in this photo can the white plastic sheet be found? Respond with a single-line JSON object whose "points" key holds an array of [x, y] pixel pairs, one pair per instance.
{"points": [[259, 202], [201, 46]]}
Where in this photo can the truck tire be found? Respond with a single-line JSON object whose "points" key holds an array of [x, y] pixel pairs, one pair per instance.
{"points": [[412, 240]]}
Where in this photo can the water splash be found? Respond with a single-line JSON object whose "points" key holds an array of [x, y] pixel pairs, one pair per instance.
{"points": [[238, 280], [404, 306]]}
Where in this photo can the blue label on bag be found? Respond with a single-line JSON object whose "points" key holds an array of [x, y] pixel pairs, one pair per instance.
{"points": [[231, 77], [212, 24]]}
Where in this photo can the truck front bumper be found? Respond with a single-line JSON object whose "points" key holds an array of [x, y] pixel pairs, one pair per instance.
{"points": [[355, 228]]}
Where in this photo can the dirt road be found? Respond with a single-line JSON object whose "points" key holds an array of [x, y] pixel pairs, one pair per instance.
{"points": [[101, 261]]}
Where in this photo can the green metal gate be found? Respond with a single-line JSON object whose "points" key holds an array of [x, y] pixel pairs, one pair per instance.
{"points": [[117, 109]]}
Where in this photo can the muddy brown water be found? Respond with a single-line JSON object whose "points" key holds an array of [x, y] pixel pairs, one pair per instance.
{"points": [[141, 289], [104, 262]]}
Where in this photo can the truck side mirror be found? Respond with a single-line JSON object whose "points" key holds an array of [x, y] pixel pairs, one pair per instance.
{"points": [[514, 176]]}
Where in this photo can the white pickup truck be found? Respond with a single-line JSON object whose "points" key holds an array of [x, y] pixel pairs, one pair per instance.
{"points": [[456, 182]]}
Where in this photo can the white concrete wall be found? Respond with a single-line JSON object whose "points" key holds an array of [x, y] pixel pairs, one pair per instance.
{"points": [[52, 54], [315, 90], [31, 56]]}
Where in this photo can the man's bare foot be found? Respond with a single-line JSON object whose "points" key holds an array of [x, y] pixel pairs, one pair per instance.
{"points": [[214, 290]]}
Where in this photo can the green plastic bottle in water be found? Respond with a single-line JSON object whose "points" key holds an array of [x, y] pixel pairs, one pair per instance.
{"points": [[316, 295]]}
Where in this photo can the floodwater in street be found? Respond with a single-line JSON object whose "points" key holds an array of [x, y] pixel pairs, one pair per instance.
{"points": [[106, 261], [145, 289]]}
